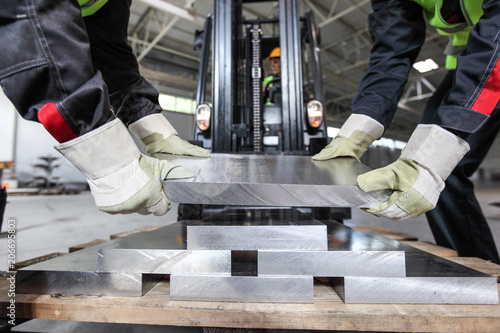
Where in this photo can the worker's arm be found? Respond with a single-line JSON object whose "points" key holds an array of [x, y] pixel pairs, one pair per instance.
{"points": [[160, 137], [398, 32], [121, 179], [433, 151], [417, 177], [476, 90]]}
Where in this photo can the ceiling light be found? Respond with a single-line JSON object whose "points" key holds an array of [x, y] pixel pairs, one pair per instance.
{"points": [[425, 66]]}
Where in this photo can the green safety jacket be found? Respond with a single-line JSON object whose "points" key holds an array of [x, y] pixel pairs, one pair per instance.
{"points": [[398, 29], [89, 7], [265, 81], [469, 12]]}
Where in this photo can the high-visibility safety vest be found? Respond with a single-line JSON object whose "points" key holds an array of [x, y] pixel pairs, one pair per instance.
{"points": [[471, 11], [265, 81], [89, 7]]}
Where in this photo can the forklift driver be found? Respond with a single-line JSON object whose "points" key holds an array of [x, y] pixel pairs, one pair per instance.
{"points": [[273, 80]]}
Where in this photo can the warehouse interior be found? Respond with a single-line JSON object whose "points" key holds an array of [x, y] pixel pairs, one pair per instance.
{"points": [[162, 36]]}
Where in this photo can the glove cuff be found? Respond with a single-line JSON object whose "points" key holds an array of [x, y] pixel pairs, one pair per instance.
{"points": [[155, 123], [435, 149], [101, 151], [360, 122]]}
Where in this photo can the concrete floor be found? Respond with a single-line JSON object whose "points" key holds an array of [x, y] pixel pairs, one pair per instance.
{"points": [[47, 224]]}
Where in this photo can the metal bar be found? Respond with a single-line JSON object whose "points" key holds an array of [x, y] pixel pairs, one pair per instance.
{"points": [[256, 88], [226, 288], [163, 261], [415, 290], [271, 180], [319, 90], [206, 275], [291, 74], [319, 263], [222, 77], [203, 69], [274, 230]]}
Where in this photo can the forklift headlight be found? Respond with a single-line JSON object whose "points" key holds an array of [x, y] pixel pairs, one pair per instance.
{"points": [[315, 113], [203, 112]]}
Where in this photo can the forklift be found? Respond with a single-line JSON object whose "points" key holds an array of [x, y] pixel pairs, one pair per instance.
{"points": [[234, 118]]}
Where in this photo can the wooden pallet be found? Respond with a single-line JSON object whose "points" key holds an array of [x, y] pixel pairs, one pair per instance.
{"points": [[328, 312]]}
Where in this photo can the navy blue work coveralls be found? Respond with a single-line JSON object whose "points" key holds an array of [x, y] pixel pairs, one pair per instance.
{"points": [[51, 55], [466, 103]]}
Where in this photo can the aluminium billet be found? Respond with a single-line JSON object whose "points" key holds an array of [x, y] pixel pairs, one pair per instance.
{"points": [[226, 288], [271, 229], [332, 263], [76, 273], [426, 274], [270, 180], [416, 290]]}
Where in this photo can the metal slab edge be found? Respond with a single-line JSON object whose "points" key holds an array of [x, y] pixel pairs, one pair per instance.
{"points": [[417, 290], [82, 283], [225, 288], [305, 238], [164, 261], [332, 263]]}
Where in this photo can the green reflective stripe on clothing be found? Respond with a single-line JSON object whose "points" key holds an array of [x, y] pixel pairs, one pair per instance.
{"points": [[471, 10], [267, 79], [89, 7]]}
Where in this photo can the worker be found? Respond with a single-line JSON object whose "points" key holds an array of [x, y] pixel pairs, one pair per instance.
{"points": [[463, 114], [47, 72], [270, 80]]}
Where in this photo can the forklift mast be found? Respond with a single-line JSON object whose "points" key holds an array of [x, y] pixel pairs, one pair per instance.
{"points": [[238, 119], [234, 118]]}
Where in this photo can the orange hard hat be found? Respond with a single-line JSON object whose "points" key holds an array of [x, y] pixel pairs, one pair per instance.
{"points": [[275, 53]]}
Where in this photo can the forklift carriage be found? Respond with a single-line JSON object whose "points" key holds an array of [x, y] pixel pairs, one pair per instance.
{"points": [[234, 118]]}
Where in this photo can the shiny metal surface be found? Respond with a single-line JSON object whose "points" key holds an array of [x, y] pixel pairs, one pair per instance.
{"points": [[65, 282], [429, 290], [128, 267], [76, 274], [164, 261], [332, 263], [226, 288], [273, 229], [270, 180], [429, 279]]}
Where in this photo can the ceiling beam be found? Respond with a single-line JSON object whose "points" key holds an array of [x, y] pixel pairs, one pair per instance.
{"points": [[342, 13], [175, 10]]}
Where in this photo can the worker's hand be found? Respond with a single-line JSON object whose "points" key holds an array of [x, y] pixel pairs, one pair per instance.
{"points": [[418, 176], [138, 186], [121, 179], [155, 143], [159, 136], [354, 138]]}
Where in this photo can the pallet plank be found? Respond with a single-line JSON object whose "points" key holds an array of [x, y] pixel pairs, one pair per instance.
{"points": [[382, 231], [327, 313]]}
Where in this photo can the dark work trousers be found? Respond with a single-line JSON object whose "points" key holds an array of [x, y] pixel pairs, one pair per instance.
{"points": [[45, 58], [457, 222], [131, 96]]}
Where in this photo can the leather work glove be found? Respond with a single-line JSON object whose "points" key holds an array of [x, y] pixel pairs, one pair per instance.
{"points": [[418, 176], [354, 138], [159, 136], [121, 179]]}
